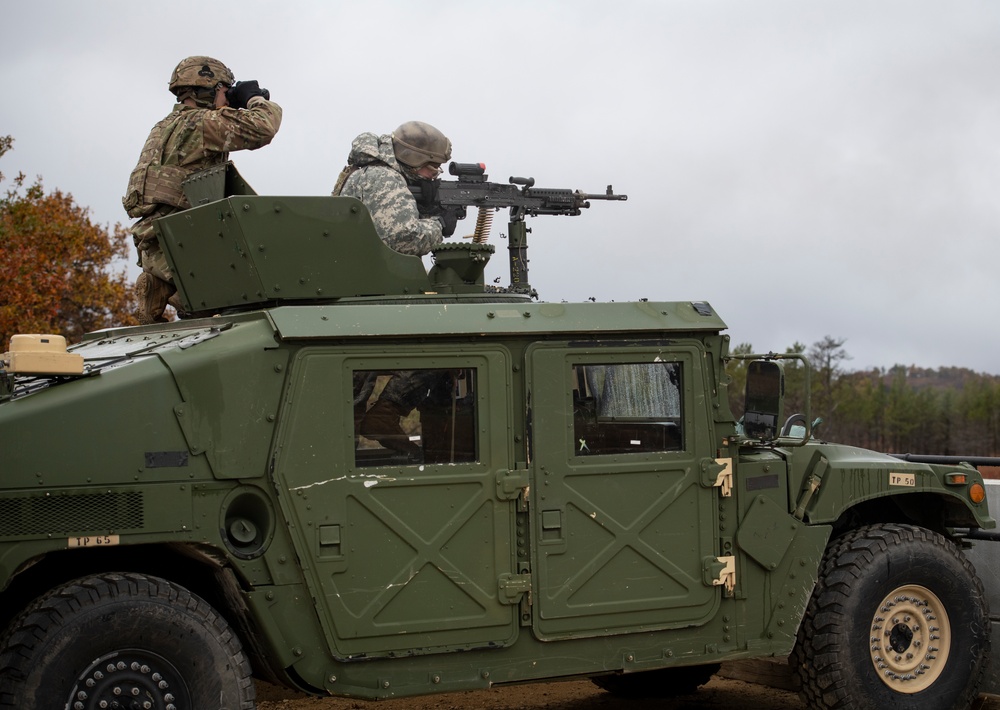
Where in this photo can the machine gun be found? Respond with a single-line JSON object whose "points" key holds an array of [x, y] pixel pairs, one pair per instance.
{"points": [[520, 195]]}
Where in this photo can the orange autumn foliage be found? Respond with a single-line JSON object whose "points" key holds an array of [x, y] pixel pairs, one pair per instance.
{"points": [[57, 270]]}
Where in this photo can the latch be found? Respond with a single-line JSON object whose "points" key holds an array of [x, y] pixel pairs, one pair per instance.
{"points": [[511, 483], [513, 586], [812, 485], [718, 473], [724, 479], [719, 571]]}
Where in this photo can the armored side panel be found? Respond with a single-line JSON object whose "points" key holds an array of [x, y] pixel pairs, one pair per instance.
{"points": [[214, 184], [282, 249]]}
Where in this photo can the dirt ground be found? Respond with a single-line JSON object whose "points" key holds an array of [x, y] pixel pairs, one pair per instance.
{"points": [[718, 694]]}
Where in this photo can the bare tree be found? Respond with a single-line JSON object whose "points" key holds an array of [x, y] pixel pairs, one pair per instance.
{"points": [[826, 357]]}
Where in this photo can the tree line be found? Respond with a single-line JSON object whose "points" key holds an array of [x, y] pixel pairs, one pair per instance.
{"points": [[947, 411]]}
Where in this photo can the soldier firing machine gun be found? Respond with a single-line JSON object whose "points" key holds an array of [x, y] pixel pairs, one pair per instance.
{"points": [[524, 199]]}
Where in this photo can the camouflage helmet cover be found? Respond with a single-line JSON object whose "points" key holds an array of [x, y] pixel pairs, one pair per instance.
{"points": [[416, 144], [203, 72]]}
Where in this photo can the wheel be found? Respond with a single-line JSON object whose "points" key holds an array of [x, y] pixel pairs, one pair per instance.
{"points": [[663, 683], [898, 619], [125, 641]]}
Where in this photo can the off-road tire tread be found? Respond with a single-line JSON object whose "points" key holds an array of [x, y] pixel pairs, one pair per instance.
{"points": [[51, 611], [823, 679]]}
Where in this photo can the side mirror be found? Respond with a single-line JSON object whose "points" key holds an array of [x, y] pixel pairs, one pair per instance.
{"points": [[764, 399]]}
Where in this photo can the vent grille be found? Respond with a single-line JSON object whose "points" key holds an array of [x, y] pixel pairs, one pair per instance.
{"points": [[97, 512]]}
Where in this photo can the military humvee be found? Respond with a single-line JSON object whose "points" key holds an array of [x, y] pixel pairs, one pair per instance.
{"points": [[354, 477]]}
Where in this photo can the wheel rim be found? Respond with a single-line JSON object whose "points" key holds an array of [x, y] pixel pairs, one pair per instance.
{"points": [[130, 679], [910, 639]]}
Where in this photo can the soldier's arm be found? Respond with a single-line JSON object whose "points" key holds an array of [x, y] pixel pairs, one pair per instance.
{"points": [[394, 212], [229, 129]]}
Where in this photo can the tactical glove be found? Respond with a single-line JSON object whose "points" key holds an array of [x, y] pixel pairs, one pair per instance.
{"points": [[242, 91], [428, 199], [449, 220]]}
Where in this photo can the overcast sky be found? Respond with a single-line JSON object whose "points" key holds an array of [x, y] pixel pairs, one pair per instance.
{"points": [[810, 168]]}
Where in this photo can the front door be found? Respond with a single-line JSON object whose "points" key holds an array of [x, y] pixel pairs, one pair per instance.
{"points": [[623, 515]]}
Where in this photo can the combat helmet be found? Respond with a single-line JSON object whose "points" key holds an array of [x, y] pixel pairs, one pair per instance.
{"points": [[203, 72], [416, 144]]}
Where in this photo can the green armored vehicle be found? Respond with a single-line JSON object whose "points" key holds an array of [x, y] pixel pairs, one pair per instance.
{"points": [[352, 477]]}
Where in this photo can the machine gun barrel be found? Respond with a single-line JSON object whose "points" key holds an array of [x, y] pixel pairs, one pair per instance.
{"points": [[607, 195]]}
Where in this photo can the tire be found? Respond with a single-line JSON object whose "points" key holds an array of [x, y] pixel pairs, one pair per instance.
{"points": [[663, 683], [128, 640], [898, 619]]}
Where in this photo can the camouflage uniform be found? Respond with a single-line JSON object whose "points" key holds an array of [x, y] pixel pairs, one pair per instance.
{"points": [[375, 177], [186, 141], [405, 391]]}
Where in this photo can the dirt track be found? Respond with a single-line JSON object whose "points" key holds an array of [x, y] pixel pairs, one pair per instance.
{"points": [[719, 693]]}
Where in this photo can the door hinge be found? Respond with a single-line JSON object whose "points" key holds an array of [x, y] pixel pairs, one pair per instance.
{"points": [[723, 470], [721, 571], [510, 483], [513, 586]]}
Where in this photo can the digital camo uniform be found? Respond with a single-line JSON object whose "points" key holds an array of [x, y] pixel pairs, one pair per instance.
{"points": [[186, 141], [375, 177]]}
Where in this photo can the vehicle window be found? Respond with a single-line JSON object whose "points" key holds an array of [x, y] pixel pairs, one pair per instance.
{"points": [[414, 417], [627, 408]]}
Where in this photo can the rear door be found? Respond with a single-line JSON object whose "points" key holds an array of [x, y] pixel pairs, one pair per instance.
{"points": [[623, 504], [389, 465]]}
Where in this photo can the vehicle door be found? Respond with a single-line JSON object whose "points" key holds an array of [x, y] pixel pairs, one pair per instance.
{"points": [[388, 465], [623, 499]]}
